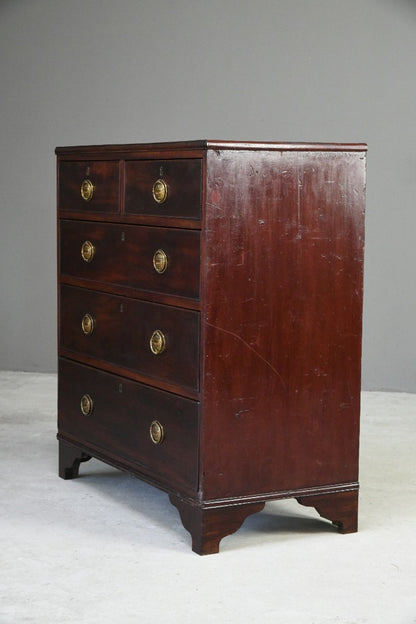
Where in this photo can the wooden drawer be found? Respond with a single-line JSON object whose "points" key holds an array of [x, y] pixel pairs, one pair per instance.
{"points": [[183, 187], [101, 188], [120, 420], [122, 330], [125, 255]]}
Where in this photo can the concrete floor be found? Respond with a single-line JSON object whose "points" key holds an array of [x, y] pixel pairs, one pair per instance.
{"points": [[109, 548]]}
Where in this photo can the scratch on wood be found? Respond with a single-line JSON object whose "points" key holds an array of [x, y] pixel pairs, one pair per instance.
{"points": [[212, 205], [298, 205], [230, 333]]}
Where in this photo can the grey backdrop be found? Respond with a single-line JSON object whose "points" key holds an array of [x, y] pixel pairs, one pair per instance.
{"points": [[105, 71]]}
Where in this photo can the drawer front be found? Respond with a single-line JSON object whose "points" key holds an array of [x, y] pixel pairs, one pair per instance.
{"points": [[164, 188], [117, 417], [119, 330], [89, 186], [132, 256]]}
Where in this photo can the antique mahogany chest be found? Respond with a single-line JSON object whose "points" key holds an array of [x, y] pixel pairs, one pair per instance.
{"points": [[210, 301]]}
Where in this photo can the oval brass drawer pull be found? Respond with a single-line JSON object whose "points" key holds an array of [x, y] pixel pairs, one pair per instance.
{"points": [[157, 342], [160, 191], [157, 432], [160, 261], [87, 251], [87, 190], [87, 324], [87, 405]]}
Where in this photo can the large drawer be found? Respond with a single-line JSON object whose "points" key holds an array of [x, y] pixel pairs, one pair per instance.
{"points": [[91, 187], [132, 256], [163, 188], [119, 331], [117, 415]]}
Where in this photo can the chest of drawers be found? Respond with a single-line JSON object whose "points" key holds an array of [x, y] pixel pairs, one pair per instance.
{"points": [[210, 301]]}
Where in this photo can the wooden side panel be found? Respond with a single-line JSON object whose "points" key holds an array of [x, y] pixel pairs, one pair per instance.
{"points": [[281, 322]]}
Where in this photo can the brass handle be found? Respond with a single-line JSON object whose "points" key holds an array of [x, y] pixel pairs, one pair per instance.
{"points": [[87, 251], [160, 191], [157, 432], [160, 261], [87, 324], [157, 342], [87, 190], [87, 405]]}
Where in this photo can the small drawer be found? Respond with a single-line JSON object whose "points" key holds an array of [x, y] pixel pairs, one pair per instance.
{"points": [[89, 186], [162, 260], [155, 430], [164, 188], [160, 342]]}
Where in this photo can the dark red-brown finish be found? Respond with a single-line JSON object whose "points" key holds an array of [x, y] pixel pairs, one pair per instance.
{"points": [[262, 314], [70, 458], [340, 508], [282, 299], [183, 179], [208, 526], [122, 331], [120, 423], [104, 175], [124, 256]]}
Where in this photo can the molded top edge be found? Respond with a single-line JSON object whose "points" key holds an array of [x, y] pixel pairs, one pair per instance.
{"points": [[287, 146], [214, 145]]}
